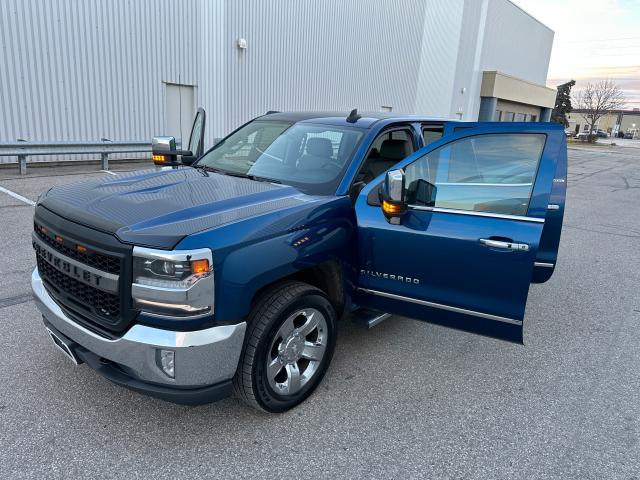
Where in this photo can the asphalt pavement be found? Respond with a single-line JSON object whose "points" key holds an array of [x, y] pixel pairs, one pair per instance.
{"points": [[403, 400]]}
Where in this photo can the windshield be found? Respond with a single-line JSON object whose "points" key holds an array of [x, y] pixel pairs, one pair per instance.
{"points": [[310, 157]]}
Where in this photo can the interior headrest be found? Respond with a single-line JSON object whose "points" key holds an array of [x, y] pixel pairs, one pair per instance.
{"points": [[395, 149], [319, 147]]}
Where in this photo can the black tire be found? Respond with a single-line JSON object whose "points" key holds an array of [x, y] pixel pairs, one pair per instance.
{"points": [[250, 382]]}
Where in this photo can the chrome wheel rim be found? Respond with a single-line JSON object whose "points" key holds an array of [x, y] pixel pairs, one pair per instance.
{"points": [[297, 350]]}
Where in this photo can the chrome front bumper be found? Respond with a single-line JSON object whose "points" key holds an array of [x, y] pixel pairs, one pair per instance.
{"points": [[202, 358]]}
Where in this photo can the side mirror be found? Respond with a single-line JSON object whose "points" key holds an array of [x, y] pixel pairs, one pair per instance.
{"points": [[423, 193], [163, 151], [392, 194]]}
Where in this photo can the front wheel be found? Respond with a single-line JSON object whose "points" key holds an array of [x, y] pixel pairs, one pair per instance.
{"points": [[290, 340]]}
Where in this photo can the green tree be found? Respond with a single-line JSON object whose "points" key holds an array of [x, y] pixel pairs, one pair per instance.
{"points": [[563, 104]]}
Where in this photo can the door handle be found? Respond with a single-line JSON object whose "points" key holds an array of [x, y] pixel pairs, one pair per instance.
{"points": [[504, 245]]}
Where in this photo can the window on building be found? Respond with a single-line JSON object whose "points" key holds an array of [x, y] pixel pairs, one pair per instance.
{"points": [[486, 173], [586, 128], [508, 117], [498, 116], [519, 117], [534, 118]]}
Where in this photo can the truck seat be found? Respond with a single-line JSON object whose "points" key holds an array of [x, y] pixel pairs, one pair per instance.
{"points": [[391, 152], [318, 152]]}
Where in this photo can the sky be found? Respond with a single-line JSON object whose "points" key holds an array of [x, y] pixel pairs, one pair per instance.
{"points": [[594, 40]]}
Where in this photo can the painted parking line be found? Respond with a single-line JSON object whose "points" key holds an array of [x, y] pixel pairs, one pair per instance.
{"points": [[17, 196], [107, 171]]}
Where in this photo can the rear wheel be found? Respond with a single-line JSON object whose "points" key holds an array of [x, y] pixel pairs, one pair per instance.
{"points": [[290, 341]]}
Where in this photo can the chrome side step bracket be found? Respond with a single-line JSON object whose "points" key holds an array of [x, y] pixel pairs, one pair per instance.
{"points": [[368, 318]]}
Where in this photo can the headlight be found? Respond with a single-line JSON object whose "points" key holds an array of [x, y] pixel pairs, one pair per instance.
{"points": [[176, 283]]}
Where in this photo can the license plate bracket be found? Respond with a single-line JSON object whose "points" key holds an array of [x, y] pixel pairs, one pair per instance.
{"points": [[64, 346]]}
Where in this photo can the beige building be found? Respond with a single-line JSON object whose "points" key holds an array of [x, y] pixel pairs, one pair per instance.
{"points": [[620, 121], [505, 98]]}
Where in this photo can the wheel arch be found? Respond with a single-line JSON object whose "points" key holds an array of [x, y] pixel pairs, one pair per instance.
{"points": [[326, 276]]}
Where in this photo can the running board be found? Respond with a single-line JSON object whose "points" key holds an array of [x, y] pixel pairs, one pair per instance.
{"points": [[368, 318]]}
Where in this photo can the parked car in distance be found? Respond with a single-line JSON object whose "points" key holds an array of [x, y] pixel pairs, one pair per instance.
{"points": [[227, 269], [583, 136]]}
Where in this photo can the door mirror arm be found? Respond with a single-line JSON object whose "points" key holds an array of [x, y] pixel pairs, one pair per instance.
{"points": [[392, 196], [165, 154], [188, 158]]}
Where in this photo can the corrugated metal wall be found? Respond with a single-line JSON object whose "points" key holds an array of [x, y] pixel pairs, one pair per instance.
{"points": [[515, 43], [91, 69], [323, 55]]}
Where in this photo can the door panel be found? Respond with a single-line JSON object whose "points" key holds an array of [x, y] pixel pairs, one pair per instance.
{"points": [[469, 267], [549, 243]]}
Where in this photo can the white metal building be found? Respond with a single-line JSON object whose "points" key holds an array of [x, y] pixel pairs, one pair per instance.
{"points": [[128, 70]]}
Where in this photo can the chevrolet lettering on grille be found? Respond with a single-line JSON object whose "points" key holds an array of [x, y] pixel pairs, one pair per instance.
{"points": [[105, 281]]}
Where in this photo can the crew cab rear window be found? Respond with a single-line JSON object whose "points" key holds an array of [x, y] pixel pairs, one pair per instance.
{"points": [[484, 173], [431, 134]]}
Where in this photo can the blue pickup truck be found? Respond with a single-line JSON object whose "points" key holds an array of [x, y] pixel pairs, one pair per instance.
{"points": [[227, 270]]}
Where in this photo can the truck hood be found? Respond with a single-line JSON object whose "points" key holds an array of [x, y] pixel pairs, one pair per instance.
{"points": [[159, 208]]}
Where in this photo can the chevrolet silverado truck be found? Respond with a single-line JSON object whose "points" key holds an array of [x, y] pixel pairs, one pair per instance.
{"points": [[227, 270]]}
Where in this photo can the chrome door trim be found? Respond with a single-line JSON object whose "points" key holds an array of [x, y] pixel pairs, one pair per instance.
{"points": [[479, 184], [441, 306], [543, 264], [477, 214]]}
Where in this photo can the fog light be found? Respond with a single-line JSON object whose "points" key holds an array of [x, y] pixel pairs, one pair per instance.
{"points": [[166, 361]]}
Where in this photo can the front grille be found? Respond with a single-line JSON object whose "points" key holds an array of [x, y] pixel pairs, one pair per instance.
{"points": [[84, 297], [86, 271], [103, 262]]}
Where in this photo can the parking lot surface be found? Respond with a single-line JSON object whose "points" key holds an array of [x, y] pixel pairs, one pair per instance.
{"points": [[403, 400]]}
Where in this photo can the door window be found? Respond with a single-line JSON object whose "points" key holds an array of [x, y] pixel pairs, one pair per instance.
{"points": [[195, 141], [386, 150], [485, 173], [431, 134]]}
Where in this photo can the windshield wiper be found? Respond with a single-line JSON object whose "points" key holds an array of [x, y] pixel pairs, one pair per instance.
{"points": [[207, 168], [202, 168], [262, 179]]}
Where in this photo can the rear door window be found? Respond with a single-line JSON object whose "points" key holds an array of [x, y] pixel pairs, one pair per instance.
{"points": [[431, 133]]}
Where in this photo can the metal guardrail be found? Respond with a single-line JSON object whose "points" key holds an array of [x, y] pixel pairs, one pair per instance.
{"points": [[24, 150]]}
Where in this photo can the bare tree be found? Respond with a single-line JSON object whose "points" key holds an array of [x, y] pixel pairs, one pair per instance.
{"points": [[598, 99]]}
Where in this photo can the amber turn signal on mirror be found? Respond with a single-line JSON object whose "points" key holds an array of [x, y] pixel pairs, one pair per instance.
{"points": [[159, 159], [391, 208]]}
